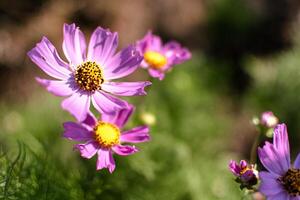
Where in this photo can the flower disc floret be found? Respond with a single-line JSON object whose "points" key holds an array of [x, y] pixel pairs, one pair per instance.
{"points": [[291, 181], [107, 134], [89, 76], [155, 60]]}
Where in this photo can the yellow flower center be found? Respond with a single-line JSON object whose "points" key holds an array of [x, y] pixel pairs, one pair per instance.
{"points": [[154, 59], [107, 134], [89, 76]]}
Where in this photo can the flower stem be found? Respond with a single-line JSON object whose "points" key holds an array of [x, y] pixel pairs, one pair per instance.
{"points": [[253, 154]]}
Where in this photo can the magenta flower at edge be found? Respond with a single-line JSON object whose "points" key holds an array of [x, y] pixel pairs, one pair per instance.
{"points": [[105, 137], [87, 77], [282, 181], [159, 58], [246, 175]]}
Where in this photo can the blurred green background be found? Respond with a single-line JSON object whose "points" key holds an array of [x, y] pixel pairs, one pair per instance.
{"points": [[246, 59]]}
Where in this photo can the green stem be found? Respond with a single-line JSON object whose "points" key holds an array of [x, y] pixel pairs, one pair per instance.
{"points": [[253, 155]]}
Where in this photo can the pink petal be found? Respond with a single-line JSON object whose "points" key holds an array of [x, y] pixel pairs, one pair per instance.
{"points": [[102, 46], [156, 74], [297, 162], [175, 53], [105, 160], [46, 57], [124, 150], [243, 164], [74, 131], [123, 63], [281, 143], [269, 184], [78, 105], [234, 168], [136, 135], [271, 160], [90, 120], [126, 88], [106, 103], [87, 150], [280, 196], [153, 42], [74, 45], [59, 88], [120, 117]]}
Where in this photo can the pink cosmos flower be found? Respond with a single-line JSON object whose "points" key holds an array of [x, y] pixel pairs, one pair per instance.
{"points": [[159, 58], [88, 76], [105, 137], [246, 175], [282, 181]]}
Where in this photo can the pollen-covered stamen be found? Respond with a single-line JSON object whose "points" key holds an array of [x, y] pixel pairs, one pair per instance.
{"points": [[155, 60], [107, 134], [89, 76], [291, 181]]}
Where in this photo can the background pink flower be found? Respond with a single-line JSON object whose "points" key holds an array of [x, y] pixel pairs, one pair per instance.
{"points": [[159, 58]]}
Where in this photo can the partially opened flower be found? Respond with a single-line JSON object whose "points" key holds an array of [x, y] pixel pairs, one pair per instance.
{"points": [[268, 119], [88, 77], [159, 58], [105, 137], [246, 175], [282, 181]]}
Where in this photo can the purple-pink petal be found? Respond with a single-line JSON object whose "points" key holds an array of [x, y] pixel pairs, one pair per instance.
{"points": [[102, 46], [297, 162], [243, 164], [136, 135], [247, 176], [105, 160], [269, 184], [175, 53], [90, 120], [124, 150], [57, 87], [156, 74], [150, 42], [46, 57], [78, 105], [126, 88], [280, 196], [106, 103], [234, 168], [281, 143], [88, 150], [74, 44], [120, 117], [123, 63], [271, 160], [74, 131]]}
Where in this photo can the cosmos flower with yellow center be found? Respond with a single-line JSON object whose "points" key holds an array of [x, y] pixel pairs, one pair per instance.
{"points": [[105, 137], [159, 58], [89, 73]]}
